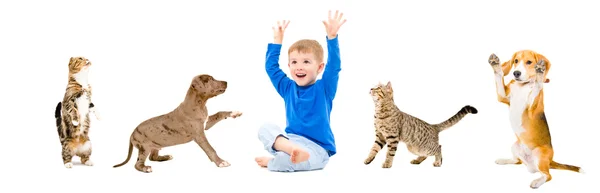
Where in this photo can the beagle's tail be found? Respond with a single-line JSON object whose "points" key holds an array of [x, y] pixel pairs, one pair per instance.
{"points": [[559, 166], [456, 118]]}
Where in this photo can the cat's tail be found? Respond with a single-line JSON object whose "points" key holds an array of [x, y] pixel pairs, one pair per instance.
{"points": [[456, 118], [128, 156], [57, 113]]}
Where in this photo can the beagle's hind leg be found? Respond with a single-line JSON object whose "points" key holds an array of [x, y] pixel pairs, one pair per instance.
{"points": [[515, 158]]}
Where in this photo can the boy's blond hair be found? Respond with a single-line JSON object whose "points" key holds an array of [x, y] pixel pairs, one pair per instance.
{"points": [[308, 46]]}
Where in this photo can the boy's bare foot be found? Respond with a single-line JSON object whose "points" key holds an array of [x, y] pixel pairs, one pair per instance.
{"points": [[299, 155], [262, 161]]}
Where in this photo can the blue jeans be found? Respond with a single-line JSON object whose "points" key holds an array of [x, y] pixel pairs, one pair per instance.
{"points": [[281, 161]]}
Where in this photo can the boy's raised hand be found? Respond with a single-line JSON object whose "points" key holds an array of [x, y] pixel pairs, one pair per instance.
{"points": [[333, 24], [279, 30]]}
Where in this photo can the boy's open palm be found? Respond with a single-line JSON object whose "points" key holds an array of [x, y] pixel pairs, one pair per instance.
{"points": [[279, 30], [333, 24]]}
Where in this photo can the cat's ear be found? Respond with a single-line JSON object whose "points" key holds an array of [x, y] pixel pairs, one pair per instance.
{"points": [[388, 85]]}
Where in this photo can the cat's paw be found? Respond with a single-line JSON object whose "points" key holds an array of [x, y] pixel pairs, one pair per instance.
{"points": [[369, 160], [235, 114], [416, 162], [386, 165], [69, 165], [437, 163], [75, 123], [89, 163]]}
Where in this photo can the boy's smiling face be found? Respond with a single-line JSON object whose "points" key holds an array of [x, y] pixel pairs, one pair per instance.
{"points": [[304, 67]]}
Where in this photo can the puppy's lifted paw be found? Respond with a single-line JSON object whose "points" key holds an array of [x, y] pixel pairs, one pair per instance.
{"points": [[235, 114], [224, 164], [75, 123]]}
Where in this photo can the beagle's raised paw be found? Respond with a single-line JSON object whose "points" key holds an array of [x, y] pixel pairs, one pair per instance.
{"points": [[540, 67]]}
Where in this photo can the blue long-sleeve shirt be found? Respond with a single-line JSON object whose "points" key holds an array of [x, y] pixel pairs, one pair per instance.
{"points": [[308, 108]]}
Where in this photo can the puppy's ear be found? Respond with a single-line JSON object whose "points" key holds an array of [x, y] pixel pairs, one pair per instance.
{"points": [[194, 84], [198, 85]]}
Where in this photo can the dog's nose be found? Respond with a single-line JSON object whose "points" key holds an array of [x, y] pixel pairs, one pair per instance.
{"points": [[517, 73]]}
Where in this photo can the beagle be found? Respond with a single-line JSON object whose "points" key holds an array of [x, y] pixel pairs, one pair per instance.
{"points": [[525, 97]]}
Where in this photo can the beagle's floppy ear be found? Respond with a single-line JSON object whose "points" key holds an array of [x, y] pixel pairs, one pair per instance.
{"points": [[539, 57], [508, 65]]}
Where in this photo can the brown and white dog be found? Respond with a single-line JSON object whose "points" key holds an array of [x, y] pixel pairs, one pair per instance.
{"points": [[525, 97], [184, 124]]}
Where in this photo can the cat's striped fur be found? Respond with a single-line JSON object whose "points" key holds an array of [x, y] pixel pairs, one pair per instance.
{"points": [[72, 114], [393, 126]]}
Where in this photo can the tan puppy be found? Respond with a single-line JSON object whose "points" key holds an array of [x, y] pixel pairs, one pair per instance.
{"points": [[182, 125], [525, 97]]}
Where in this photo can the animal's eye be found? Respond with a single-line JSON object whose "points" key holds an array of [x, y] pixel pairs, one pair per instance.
{"points": [[516, 60], [528, 62]]}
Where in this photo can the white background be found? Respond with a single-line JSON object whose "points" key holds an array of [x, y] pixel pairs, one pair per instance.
{"points": [[435, 53]]}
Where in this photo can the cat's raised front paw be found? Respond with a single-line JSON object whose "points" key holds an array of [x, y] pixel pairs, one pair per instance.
{"points": [[235, 114]]}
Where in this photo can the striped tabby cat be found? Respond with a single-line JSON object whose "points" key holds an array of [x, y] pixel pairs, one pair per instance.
{"points": [[393, 126], [72, 114]]}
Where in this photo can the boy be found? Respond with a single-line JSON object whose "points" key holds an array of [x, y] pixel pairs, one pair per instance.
{"points": [[307, 142]]}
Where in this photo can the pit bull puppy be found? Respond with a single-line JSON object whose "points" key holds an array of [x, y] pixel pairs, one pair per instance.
{"points": [[182, 125]]}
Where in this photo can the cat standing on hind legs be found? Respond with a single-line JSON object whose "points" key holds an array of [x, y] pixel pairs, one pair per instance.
{"points": [[393, 126], [72, 114]]}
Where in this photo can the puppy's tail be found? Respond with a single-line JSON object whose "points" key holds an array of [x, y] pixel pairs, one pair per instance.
{"points": [[456, 118], [559, 166], [128, 156]]}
